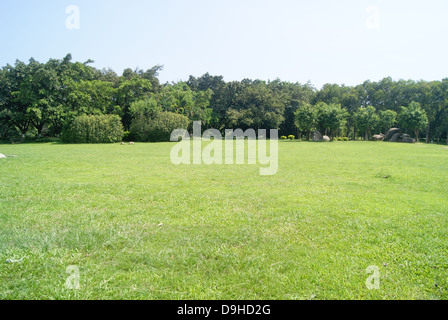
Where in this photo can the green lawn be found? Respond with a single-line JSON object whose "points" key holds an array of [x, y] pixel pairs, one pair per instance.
{"points": [[308, 232]]}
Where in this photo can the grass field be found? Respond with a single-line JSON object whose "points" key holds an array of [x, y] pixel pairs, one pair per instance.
{"points": [[138, 227]]}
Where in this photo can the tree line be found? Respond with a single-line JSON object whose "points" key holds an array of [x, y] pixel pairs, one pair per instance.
{"points": [[48, 99]]}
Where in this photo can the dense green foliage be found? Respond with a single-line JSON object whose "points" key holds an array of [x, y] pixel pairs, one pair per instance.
{"points": [[94, 129], [39, 99], [158, 128], [306, 119], [414, 118], [367, 119], [386, 120]]}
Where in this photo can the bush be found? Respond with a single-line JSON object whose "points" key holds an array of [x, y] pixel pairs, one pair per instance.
{"points": [[158, 129], [8, 131], [345, 139], [283, 138], [291, 137], [94, 129]]}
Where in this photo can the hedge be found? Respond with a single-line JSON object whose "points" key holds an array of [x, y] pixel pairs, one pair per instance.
{"points": [[158, 129], [94, 129]]}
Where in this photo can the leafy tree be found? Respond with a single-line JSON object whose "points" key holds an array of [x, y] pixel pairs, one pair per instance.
{"points": [[291, 95], [92, 97], [367, 119], [252, 104], [239, 118], [387, 119], [179, 98], [217, 101], [148, 108], [37, 96], [306, 119], [131, 88], [38, 91], [331, 94], [265, 107], [7, 131], [152, 75], [413, 118], [331, 118], [442, 125], [14, 109]]}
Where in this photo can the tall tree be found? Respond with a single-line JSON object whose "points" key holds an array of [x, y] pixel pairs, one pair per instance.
{"points": [[306, 119], [367, 119], [413, 118], [15, 110], [387, 119], [331, 118]]}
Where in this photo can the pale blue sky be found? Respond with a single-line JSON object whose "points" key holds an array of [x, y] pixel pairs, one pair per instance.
{"points": [[324, 41]]}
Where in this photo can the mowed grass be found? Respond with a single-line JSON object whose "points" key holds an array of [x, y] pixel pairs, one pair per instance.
{"points": [[138, 227]]}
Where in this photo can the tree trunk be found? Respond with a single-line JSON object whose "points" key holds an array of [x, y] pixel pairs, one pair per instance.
{"points": [[427, 132], [416, 132]]}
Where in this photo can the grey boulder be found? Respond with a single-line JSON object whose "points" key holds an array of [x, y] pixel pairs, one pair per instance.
{"points": [[391, 133], [379, 137], [317, 136], [396, 135]]}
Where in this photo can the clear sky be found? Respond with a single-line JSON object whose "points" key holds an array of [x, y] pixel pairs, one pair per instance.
{"points": [[323, 41]]}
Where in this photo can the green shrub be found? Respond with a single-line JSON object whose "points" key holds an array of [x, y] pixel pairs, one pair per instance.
{"points": [[94, 129], [158, 129], [283, 138], [8, 131], [291, 137], [345, 139]]}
